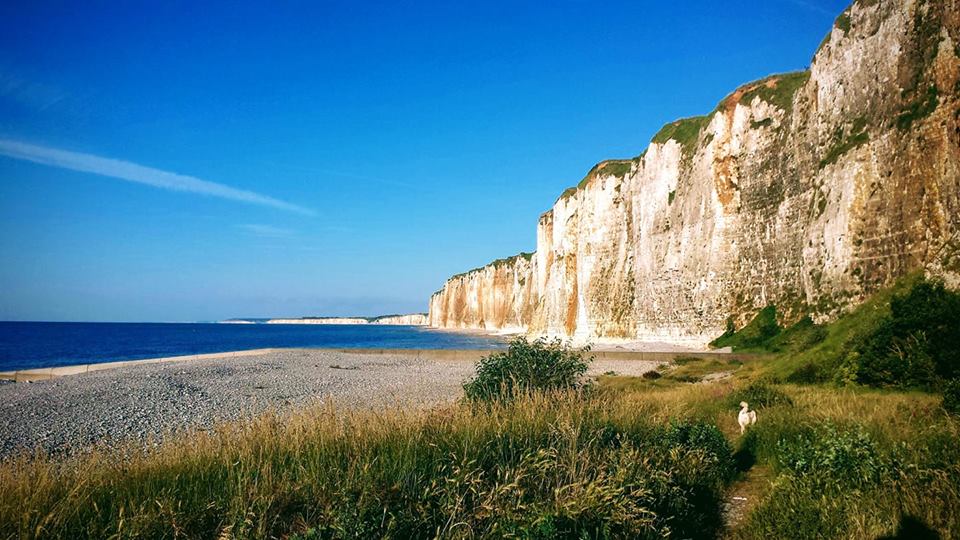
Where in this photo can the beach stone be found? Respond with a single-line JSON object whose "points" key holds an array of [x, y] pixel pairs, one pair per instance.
{"points": [[111, 407]]}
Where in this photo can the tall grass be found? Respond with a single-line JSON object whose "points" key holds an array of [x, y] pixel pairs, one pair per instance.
{"points": [[616, 462], [545, 465], [841, 462], [855, 464]]}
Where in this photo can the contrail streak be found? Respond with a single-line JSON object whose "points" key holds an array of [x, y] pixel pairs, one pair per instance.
{"points": [[132, 172]]}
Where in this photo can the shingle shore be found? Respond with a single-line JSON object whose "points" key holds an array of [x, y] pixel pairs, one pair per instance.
{"points": [[146, 402]]}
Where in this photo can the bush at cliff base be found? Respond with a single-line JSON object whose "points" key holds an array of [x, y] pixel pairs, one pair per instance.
{"points": [[917, 345], [951, 397], [527, 366]]}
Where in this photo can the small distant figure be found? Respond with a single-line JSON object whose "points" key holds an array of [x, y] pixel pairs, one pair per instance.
{"points": [[746, 417]]}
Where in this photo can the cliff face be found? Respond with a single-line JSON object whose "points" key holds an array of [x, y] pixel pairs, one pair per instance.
{"points": [[413, 319], [809, 191]]}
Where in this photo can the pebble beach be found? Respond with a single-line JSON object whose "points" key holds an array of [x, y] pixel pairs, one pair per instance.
{"points": [[144, 403]]}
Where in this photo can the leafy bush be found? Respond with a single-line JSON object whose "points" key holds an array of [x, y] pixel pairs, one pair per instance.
{"points": [[704, 445], [651, 375], [917, 345], [822, 468], [698, 436], [828, 454], [951, 396], [527, 366], [758, 395], [847, 464]]}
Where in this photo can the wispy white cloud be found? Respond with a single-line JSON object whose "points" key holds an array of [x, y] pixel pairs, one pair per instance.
{"points": [[267, 231], [132, 172], [27, 93]]}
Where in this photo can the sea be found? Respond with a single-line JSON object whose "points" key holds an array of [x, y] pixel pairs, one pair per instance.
{"points": [[27, 345]]}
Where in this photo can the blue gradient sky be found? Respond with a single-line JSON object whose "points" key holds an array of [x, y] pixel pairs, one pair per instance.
{"points": [[399, 143]]}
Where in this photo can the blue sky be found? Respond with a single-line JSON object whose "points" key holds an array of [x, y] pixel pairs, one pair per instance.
{"points": [[202, 160]]}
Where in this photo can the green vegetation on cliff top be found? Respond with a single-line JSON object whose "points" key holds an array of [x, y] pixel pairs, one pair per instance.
{"points": [[617, 168], [686, 132], [496, 264], [777, 90], [843, 22]]}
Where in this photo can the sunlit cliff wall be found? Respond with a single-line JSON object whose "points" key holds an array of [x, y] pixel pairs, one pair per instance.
{"points": [[808, 190]]}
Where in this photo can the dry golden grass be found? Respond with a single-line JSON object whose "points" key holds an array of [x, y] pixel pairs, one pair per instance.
{"points": [[547, 464]]}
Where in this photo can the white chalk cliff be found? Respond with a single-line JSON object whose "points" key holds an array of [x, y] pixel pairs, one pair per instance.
{"points": [[808, 191]]}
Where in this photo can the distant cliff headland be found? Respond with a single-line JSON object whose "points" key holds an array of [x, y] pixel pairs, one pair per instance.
{"points": [[807, 191], [411, 319]]}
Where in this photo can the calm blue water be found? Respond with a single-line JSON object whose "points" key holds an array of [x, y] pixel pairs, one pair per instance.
{"points": [[44, 344]]}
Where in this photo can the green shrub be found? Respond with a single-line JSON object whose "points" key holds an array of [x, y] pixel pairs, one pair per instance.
{"points": [[931, 308], [821, 468], [951, 396], [842, 470], [527, 366], [916, 345], [651, 375], [758, 395], [700, 504], [699, 436], [833, 456]]}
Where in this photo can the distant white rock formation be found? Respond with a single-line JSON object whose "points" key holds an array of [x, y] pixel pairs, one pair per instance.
{"points": [[412, 319]]}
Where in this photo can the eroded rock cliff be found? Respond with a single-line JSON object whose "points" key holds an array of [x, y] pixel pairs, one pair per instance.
{"points": [[807, 190]]}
